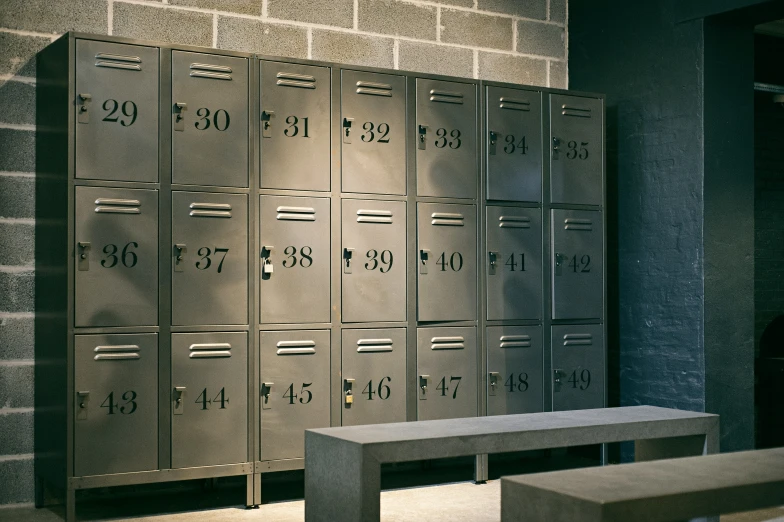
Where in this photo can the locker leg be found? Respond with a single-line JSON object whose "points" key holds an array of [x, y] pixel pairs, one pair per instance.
{"points": [[249, 486], [70, 504], [39, 492], [257, 489], [480, 469]]}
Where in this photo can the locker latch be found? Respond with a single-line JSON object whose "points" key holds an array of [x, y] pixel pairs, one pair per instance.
{"points": [[348, 385], [347, 255], [83, 256], [179, 395], [179, 117], [266, 389], [347, 129], [82, 403], [560, 259], [556, 147], [179, 259], [493, 257], [491, 144], [266, 123], [422, 142], [493, 382], [557, 384], [266, 261], [423, 387], [83, 115], [423, 255]]}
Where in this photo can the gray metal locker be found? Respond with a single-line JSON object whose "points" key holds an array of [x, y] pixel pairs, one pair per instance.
{"points": [[374, 260], [446, 273], [578, 367], [209, 258], [295, 260], [514, 144], [115, 403], [446, 139], [514, 263], [294, 390], [209, 399], [514, 369], [374, 376], [577, 149], [373, 127], [446, 373], [116, 112], [295, 126], [209, 119], [116, 274], [577, 264]]}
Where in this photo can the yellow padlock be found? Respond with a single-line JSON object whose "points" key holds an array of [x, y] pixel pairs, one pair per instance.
{"points": [[349, 398]]}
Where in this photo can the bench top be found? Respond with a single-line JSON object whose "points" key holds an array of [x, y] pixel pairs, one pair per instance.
{"points": [[677, 488], [403, 432]]}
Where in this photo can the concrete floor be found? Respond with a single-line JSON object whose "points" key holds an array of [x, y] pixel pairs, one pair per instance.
{"points": [[460, 501]]}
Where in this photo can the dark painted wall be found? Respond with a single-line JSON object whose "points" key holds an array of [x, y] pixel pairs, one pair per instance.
{"points": [[681, 209]]}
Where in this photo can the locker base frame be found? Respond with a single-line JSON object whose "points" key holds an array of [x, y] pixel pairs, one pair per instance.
{"points": [[146, 477]]}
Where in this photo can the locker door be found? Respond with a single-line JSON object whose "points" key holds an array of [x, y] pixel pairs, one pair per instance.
{"points": [[209, 258], [446, 140], [577, 252], [577, 149], [374, 376], [514, 369], [116, 111], [373, 112], [514, 263], [295, 126], [209, 399], [446, 373], [295, 260], [115, 403], [374, 260], [116, 280], [209, 119], [578, 367], [446, 277], [514, 144], [294, 390]]}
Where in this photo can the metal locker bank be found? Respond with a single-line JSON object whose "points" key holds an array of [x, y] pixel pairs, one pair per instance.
{"points": [[241, 247]]}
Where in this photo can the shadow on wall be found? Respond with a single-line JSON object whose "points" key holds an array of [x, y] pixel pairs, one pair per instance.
{"points": [[770, 386]]}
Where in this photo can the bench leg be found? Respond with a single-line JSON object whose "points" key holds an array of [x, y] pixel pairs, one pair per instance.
{"points": [[480, 469], [341, 482]]}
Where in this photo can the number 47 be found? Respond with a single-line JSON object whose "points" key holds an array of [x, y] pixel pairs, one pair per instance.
{"points": [[443, 388]]}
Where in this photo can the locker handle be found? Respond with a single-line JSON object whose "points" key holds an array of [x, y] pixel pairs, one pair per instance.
{"points": [[557, 384], [179, 117], [423, 386], [180, 249], [179, 391], [492, 144], [83, 263], [347, 129], [493, 381], [266, 126], [422, 142], [423, 255], [348, 253], [348, 385], [559, 261], [266, 389], [84, 114], [83, 396], [493, 257], [556, 147], [266, 261]]}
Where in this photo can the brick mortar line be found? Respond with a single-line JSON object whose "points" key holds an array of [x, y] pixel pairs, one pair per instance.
{"points": [[51, 36], [17, 269], [10, 363], [17, 126], [13, 411], [11, 458], [16, 174], [17, 315], [14, 78], [110, 17]]}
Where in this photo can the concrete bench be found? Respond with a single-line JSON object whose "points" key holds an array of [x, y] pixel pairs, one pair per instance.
{"points": [[343, 464], [677, 489]]}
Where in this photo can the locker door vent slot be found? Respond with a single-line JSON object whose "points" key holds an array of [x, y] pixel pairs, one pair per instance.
{"points": [[296, 213], [514, 105], [578, 340], [118, 61], [374, 345], [303, 81], [447, 219], [374, 216], [219, 210], [296, 348], [447, 343], [514, 222], [578, 224], [212, 72], [446, 97], [117, 206], [120, 352], [577, 112], [209, 350], [374, 89], [515, 341]]}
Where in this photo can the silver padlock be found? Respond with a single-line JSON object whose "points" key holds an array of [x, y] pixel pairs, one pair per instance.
{"points": [[268, 268]]}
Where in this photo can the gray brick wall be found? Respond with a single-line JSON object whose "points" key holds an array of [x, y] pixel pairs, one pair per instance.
{"points": [[522, 41]]}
